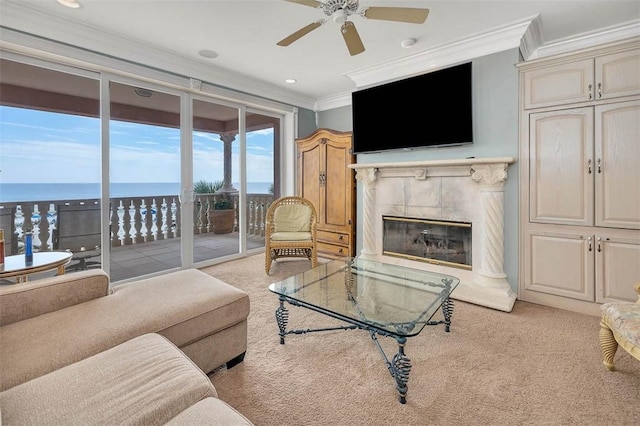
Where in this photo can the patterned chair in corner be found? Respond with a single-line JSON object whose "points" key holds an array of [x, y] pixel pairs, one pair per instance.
{"points": [[620, 326]]}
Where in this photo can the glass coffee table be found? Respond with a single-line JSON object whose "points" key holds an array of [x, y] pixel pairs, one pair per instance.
{"points": [[383, 299]]}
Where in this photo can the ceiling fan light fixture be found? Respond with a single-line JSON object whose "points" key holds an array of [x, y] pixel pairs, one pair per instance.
{"points": [[339, 16]]}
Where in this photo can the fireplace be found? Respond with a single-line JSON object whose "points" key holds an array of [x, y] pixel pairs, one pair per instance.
{"points": [[438, 242], [468, 192]]}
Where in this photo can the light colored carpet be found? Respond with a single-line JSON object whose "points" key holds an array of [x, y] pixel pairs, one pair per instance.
{"points": [[534, 366]]}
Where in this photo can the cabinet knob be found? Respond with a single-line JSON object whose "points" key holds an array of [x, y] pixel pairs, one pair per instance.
{"points": [[589, 241], [599, 165], [590, 93], [589, 166], [599, 90]]}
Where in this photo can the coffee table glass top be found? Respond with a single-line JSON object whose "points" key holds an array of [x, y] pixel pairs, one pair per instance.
{"points": [[391, 298]]}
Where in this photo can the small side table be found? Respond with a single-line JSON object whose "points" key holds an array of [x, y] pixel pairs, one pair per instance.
{"points": [[16, 266]]}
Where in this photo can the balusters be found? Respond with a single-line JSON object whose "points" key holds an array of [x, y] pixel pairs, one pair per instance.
{"points": [[35, 228], [19, 233], [174, 218], [121, 234], [52, 220], [164, 228], [154, 219], [143, 221], [132, 223]]}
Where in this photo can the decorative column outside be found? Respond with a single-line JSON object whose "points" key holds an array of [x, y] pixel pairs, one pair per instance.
{"points": [[368, 178], [227, 187], [491, 274]]}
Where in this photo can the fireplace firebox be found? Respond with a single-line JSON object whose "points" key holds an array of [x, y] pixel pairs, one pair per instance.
{"points": [[439, 242]]}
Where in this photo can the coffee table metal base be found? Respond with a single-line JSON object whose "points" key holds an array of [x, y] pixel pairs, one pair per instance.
{"points": [[399, 366]]}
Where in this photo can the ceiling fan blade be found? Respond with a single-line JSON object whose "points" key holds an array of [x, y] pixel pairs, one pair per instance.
{"points": [[310, 3], [352, 38], [298, 34], [398, 14]]}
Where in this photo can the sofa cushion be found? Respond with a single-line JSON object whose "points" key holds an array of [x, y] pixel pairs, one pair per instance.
{"points": [[146, 380], [210, 411], [32, 298], [184, 306]]}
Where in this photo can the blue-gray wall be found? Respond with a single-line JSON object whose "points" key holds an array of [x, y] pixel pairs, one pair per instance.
{"points": [[306, 122], [495, 129]]}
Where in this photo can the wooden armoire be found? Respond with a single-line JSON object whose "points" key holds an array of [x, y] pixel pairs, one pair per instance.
{"points": [[325, 179]]}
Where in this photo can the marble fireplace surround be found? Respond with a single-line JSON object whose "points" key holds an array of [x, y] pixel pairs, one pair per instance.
{"points": [[466, 190]]}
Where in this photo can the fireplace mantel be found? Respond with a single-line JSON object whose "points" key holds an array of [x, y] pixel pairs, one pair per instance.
{"points": [[470, 189]]}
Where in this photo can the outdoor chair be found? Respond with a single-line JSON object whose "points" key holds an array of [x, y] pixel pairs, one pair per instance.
{"points": [[78, 231], [290, 230]]}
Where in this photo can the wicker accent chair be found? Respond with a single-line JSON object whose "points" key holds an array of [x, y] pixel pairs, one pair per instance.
{"points": [[290, 230]]}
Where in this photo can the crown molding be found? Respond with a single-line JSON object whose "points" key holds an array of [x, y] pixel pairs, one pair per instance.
{"points": [[31, 21], [587, 40], [532, 38], [497, 40], [333, 101]]}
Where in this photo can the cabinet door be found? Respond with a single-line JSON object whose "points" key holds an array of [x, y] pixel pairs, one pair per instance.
{"points": [[617, 269], [310, 158], [617, 156], [559, 85], [560, 264], [337, 183], [561, 167], [618, 75]]}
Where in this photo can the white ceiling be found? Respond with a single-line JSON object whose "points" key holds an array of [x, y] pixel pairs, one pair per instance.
{"points": [[244, 33]]}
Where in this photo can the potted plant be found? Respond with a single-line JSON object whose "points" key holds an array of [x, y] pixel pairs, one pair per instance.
{"points": [[222, 216]]}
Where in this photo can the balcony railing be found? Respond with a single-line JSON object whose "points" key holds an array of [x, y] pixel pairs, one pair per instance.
{"points": [[133, 220]]}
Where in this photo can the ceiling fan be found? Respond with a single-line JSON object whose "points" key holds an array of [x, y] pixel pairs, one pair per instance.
{"points": [[340, 10]]}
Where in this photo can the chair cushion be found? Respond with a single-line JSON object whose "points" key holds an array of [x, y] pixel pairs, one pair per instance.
{"points": [[624, 318], [291, 236], [292, 218]]}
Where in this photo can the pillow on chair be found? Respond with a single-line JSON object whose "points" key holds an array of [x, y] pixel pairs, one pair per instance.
{"points": [[292, 218]]}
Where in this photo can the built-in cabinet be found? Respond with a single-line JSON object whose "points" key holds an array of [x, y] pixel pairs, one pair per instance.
{"points": [[325, 179], [580, 177]]}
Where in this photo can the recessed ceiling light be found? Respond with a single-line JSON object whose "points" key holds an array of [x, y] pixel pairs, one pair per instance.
{"points": [[408, 43], [290, 80], [206, 53], [73, 4]]}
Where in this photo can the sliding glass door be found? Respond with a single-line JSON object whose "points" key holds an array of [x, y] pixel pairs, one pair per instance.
{"points": [[189, 177], [50, 159], [216, 154], [144, 180]]}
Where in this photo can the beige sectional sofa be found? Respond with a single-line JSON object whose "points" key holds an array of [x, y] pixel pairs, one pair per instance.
{"points": [[75, 350]]}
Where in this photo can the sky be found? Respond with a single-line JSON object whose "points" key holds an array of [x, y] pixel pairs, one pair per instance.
{"points": [[38, 147]]}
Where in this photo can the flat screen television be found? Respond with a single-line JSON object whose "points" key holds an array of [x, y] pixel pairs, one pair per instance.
{"points": [[429, 110]]}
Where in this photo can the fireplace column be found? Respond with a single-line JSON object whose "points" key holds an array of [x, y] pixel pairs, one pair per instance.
{"points": [[368, 178], [491, 273]]}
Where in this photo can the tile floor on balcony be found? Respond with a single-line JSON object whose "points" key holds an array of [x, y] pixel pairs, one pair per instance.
{"points": [[141, 259], [146, 258]]}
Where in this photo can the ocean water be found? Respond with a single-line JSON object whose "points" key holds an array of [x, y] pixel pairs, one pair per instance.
{"points": [[13, 192]]}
